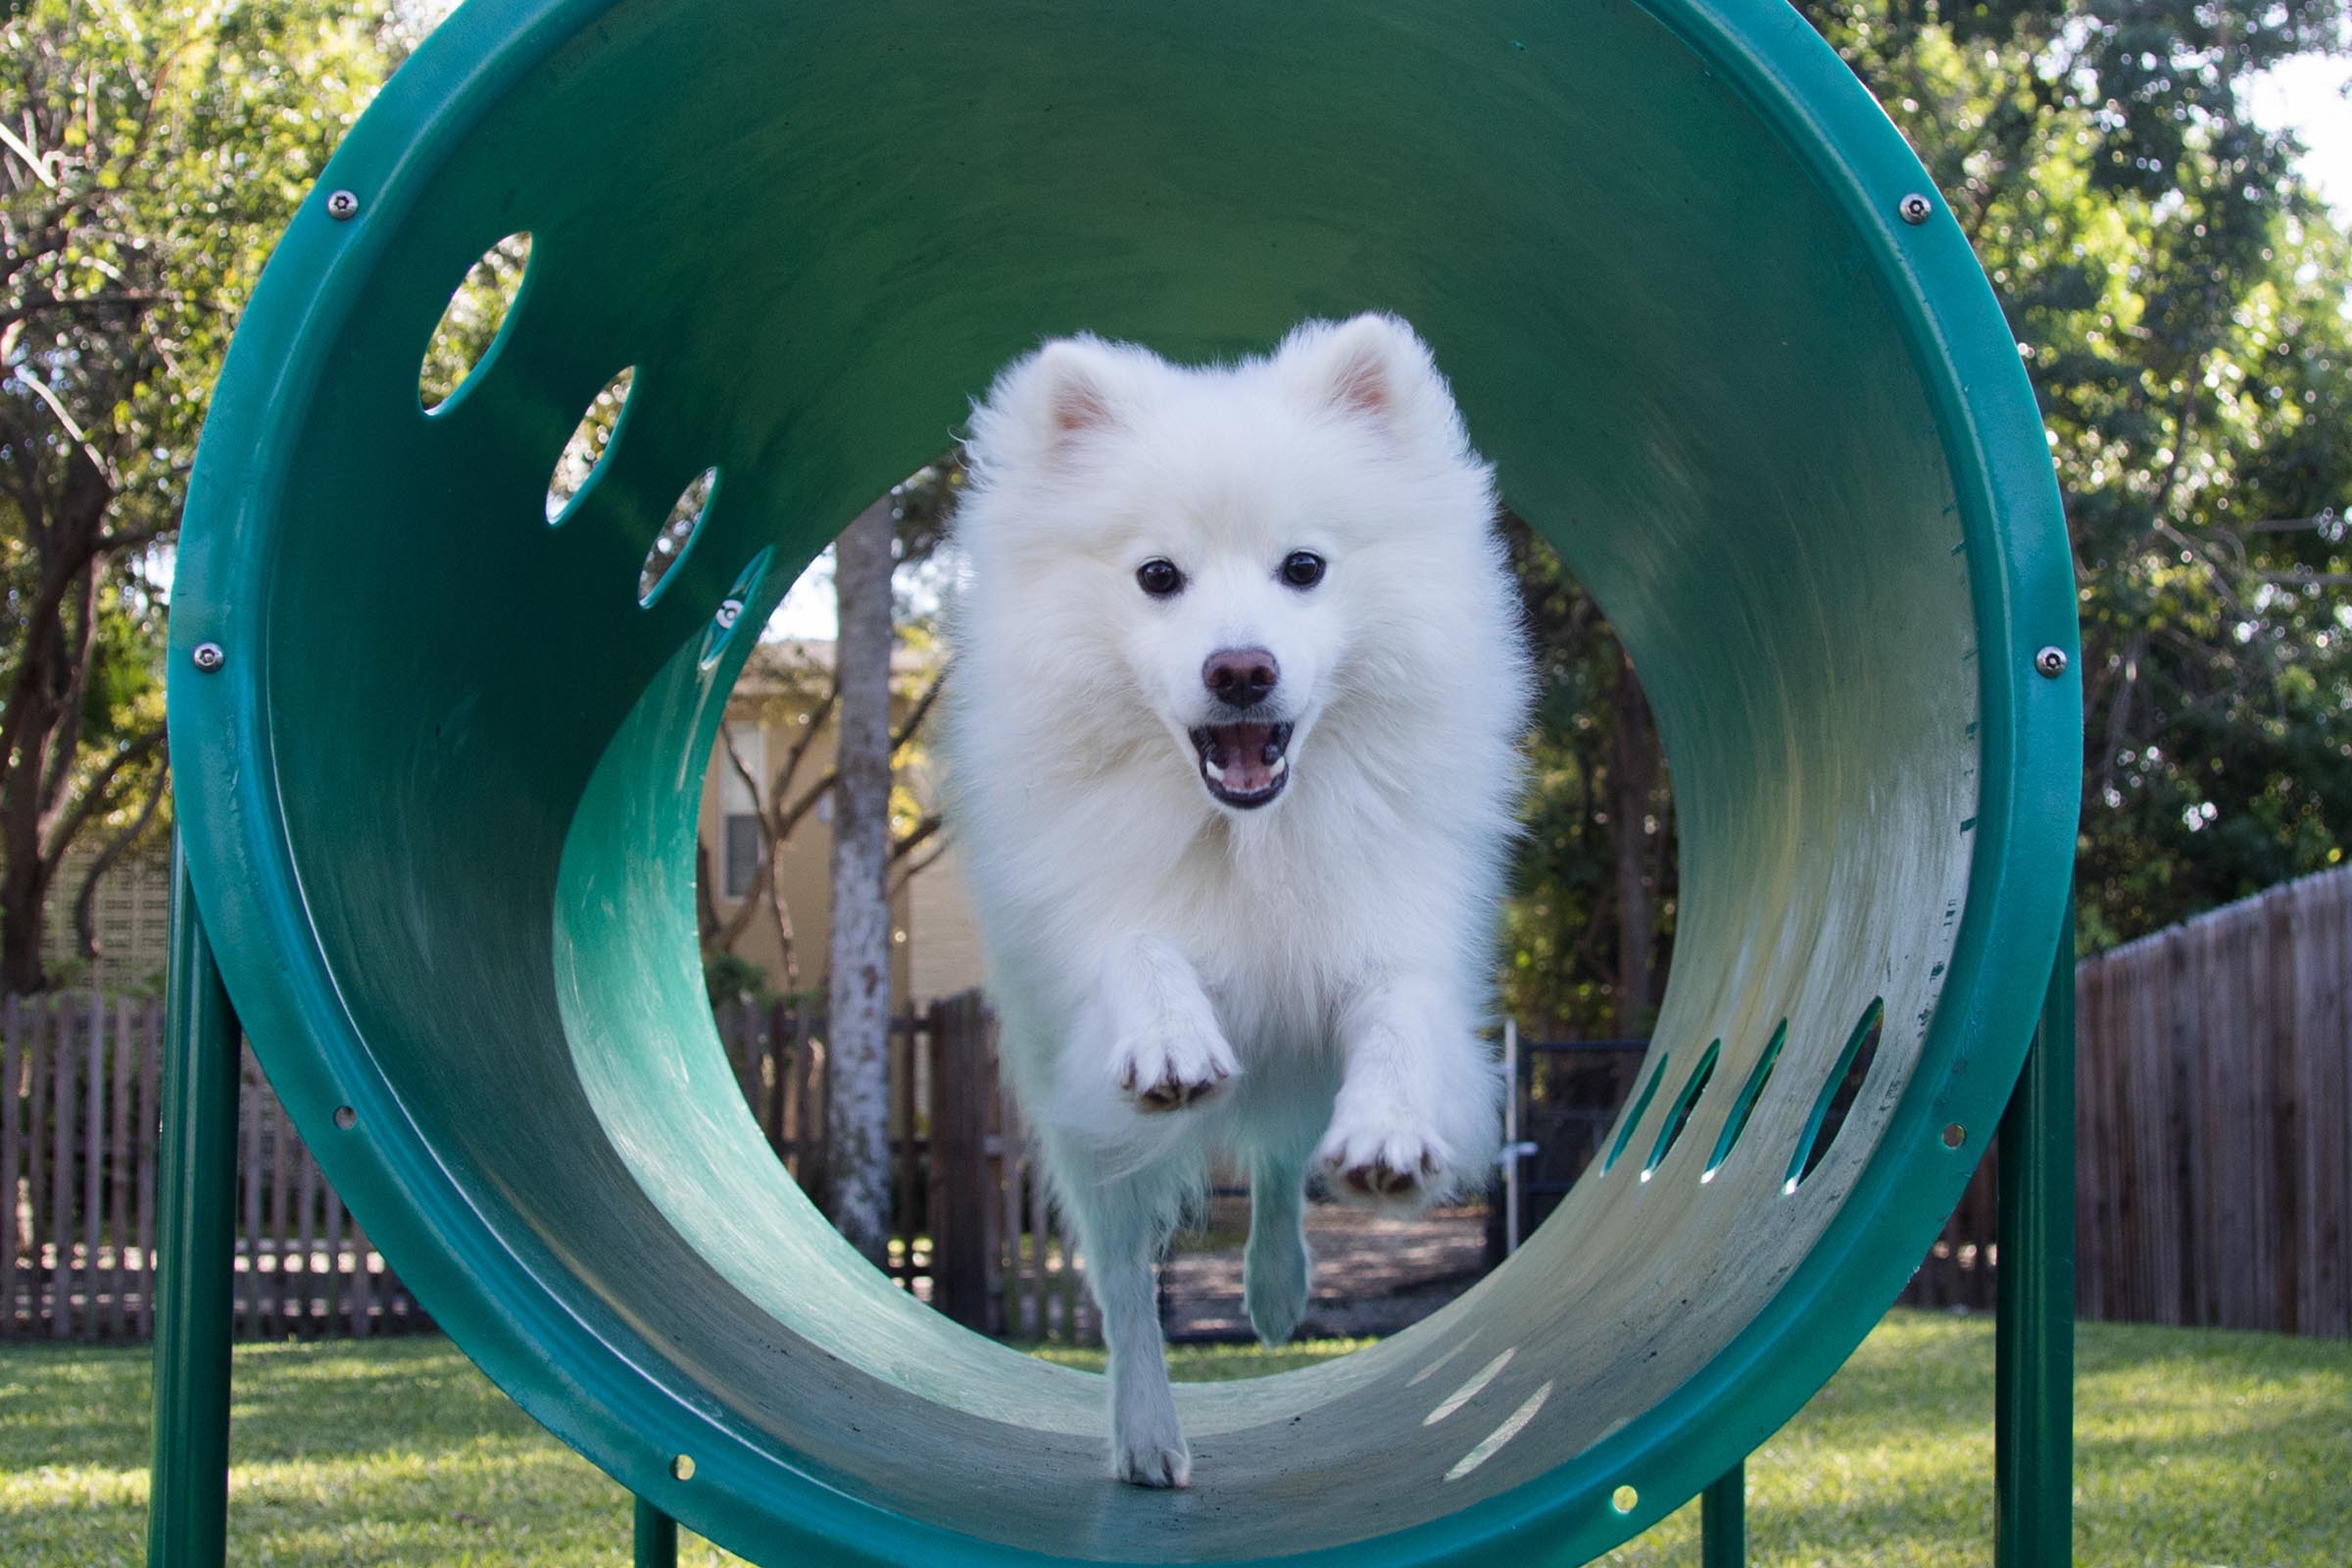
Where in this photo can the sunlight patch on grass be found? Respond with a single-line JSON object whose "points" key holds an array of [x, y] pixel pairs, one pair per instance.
{"points": [[2194, 1448]]}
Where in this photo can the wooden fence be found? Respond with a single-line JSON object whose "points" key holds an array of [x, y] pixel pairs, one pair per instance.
{"points": [[79, 1122], [2213, 1127], [2215, 1118]]}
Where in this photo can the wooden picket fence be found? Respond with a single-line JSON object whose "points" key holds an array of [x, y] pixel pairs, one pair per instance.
{"points": [[79, 1123], [972, 1230], [80, 1077]]}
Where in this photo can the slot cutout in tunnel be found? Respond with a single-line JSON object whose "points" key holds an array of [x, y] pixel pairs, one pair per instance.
{"points": [[474, 323], [1746, 1106], [1684, 1103], [1838, 1093], [1632, 1117], [583, 455]]}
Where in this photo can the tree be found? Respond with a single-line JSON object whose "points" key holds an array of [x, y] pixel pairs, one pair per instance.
{"points": [[151, 154], [858, 1007]]}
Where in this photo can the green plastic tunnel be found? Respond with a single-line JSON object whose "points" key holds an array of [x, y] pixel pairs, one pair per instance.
{"points": [[439, 792]]}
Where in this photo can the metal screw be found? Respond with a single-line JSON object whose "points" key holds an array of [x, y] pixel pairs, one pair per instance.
{"points": [[682, 1467], [2051, 661], [728, 609], [342, 205], [1915, 208], [346, 1118], [209, 657]]}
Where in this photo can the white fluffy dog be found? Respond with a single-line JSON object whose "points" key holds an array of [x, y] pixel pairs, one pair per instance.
{"points": [[1239, 680]]}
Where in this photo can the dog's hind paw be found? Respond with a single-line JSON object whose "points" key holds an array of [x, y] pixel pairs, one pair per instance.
{"points": [[1172, 1068], [1274, 1287]]}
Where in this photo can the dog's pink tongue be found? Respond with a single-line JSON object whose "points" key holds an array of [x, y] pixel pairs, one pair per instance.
{"points": [[1241, 751]]}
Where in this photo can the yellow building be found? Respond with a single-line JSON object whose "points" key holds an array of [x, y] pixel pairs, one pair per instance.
{"points": [[935, 944]]}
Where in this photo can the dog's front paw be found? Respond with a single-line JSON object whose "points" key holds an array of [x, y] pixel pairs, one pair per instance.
{"points": [[1150, 1453], [1386, 1162], [1171, 1067]]}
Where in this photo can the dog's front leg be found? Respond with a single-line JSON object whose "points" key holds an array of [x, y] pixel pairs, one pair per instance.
{"points": [[1419, 1109], [1120, 1221]]}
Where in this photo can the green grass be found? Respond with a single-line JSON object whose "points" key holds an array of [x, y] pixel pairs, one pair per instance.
{"points": [[2196, 1449]]}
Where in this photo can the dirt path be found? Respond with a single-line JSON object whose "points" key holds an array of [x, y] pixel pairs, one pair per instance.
{"points": [[1372, 1276]]}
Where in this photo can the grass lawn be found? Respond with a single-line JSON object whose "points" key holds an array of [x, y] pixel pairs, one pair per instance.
{"points": [[2196, 1448]]}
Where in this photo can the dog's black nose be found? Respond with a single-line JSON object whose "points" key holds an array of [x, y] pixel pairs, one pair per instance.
{"points": [[1240, 676]]}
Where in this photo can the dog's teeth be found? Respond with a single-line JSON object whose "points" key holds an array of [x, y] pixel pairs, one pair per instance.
{"points": [[1214, 771], [1277, 765]]}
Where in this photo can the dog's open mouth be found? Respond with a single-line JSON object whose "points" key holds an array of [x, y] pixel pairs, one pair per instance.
{"points": [[1243, 765]]}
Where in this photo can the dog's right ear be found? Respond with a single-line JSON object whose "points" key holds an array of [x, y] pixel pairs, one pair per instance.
{"points": [[1045, 405]]}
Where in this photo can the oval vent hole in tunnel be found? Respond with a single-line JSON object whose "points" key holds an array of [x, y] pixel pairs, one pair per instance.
{"points": [[677, 537], [1838, 1093], [1684, 1103], [1746, 1106], [473, 323], [584, 454]]}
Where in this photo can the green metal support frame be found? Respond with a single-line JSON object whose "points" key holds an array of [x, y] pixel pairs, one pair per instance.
{"points": [[2033, 1336], [657, 1538], [1723, 1520], [187, 1520]]}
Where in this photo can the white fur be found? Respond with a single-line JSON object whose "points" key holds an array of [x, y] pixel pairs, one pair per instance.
{"points": [[1305, 978]]}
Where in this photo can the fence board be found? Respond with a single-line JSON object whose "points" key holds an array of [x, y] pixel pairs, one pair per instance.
{"points": [[151, 1054], [118, 1168], [12, 1115], [61, 1178], [93, 1165]]}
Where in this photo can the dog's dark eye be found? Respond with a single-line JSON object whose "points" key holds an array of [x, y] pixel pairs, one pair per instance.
{"points": [[1160, 578], [1303, 570]]}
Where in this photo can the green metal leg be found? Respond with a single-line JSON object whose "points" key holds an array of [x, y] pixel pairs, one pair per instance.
{"points": [[2033, 1355], [187, 1518], [1723, 1521], [657, 1538]]}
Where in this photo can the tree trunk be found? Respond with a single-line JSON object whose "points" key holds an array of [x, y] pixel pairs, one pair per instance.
{"points": [[857, 1028], [1632, 778]]}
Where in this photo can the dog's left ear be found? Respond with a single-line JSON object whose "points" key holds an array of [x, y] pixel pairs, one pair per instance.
{"points": [[1371, 367]]}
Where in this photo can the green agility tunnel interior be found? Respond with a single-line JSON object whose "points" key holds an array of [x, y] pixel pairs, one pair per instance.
{"points": [[438, 793]]}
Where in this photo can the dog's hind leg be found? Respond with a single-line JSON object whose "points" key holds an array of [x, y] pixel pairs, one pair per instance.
{"points": [[1121, 1222], [1275, 1265]]}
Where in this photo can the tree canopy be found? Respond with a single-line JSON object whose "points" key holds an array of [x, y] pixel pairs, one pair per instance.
{"points": [[149, 154]]}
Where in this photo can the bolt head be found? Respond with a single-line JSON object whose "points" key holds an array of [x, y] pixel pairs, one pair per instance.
{"points": [[1915, 208], [2051, 661], [209, 657], [729, 611], [343, 204]]}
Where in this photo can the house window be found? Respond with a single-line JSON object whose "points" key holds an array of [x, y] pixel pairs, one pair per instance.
{"points": [[739, 810], [742, 854]]}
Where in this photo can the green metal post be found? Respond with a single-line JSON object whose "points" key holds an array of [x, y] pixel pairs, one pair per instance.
{"points": [[1723, 1520], [2033, 1341], [187, 1517], [657, 1538]]}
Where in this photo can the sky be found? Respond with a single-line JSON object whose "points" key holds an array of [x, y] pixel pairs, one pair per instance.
{"points": [[2307, 95]]}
